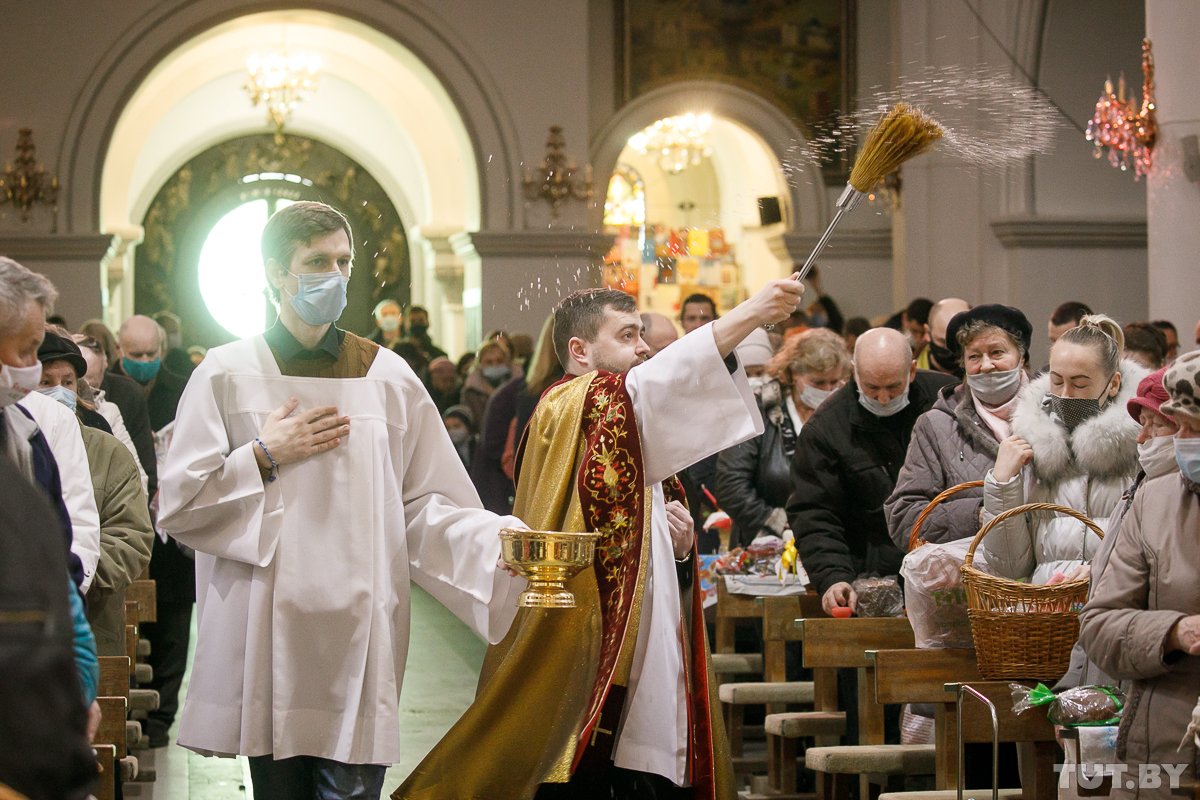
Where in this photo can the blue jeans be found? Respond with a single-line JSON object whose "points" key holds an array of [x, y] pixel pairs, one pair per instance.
{"points": [[312, 778]]}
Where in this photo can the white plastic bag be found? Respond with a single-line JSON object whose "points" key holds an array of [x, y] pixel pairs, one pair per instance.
{"points": [[934, 594]]}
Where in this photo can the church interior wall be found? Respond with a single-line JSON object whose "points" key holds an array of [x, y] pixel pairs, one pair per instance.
{"points": [[541, 63]]}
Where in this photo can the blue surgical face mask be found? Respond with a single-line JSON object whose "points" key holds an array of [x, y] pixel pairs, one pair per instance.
{"points": [[141, 371], [320, 297], [62, 394], [496, 374], [1187, 456]]}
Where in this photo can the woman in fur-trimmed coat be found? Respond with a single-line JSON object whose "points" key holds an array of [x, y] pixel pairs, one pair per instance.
{"points": [[1073, 444]]}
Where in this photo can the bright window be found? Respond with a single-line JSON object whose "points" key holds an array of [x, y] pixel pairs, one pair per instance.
{"points": [[625, 203], [232, 279]]}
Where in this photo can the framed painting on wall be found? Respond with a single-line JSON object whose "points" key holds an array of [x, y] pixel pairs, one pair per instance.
{"points": [[798, 54]]}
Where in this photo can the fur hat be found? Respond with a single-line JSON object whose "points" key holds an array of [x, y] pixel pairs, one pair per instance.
{"points": [[1182, 382]]}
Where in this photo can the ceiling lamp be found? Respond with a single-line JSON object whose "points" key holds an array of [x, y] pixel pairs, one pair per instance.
{"points": [[279, 81], [677, 142]]}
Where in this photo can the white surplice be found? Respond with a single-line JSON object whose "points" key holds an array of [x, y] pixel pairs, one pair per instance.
{"points": [[303, 583], [61, 429], [688, 406]]}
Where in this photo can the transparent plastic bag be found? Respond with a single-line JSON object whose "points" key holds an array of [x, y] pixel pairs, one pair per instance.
{"points": [[934, 594], [879, 597], [1083, 706]]}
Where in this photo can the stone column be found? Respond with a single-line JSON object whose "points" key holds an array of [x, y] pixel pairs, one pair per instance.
{"points": [[442, 288], [1173, 201], [513, 278], [116, 274]]}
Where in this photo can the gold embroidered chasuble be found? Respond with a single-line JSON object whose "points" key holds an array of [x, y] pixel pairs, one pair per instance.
{"points": [[551, 693]]}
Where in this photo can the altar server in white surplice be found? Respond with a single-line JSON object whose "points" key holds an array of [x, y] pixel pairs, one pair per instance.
{"points": [[313, 476]]}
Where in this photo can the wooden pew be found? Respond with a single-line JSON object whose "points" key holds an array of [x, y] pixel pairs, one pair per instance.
{"points": [[1032, 726], [824, 724], [106, 764], [920, 676], [843, 644], [774, 691], [144, 594], [113, 699]]}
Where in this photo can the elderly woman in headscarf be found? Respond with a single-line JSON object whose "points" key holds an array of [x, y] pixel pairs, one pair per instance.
{"points": [[754, 478], [1142, 622], [956, 441]]}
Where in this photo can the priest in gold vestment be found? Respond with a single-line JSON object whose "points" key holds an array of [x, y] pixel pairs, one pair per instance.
{"points": [[612, 699]]}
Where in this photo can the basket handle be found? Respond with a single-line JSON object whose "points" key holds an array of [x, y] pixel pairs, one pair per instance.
{"points": [[1025, 509], [914, 538]]}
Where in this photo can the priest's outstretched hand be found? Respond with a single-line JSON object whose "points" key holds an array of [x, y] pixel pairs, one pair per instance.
{"points": [[773, 303], [291, 435]]}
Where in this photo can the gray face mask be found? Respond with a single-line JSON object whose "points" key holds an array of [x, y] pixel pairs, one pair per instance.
{"points": [[888, 409], [995, 388]]}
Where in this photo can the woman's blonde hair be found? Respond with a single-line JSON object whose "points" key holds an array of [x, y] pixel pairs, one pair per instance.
{"points": [[816, 350], [544, 368], [493, 344], [1101, 333]]}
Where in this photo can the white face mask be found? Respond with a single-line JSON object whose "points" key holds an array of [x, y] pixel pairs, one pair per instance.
{"points": [[888, 409], [757, 382], [16, 382], [812, 397], [995, 388], [1157, 455]]}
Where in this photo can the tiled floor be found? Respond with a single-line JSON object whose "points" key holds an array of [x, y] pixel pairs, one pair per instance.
{"points": [[443, 664]]}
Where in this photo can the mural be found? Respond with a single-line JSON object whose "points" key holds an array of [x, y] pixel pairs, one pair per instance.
{"points": [[798, 54]]}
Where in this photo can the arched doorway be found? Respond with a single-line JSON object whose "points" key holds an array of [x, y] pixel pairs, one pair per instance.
{"points": [[443, 161], [717, 224], [200, 257]]}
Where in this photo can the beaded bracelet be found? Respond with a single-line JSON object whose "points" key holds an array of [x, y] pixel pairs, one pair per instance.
{"points": [[274, 473]]}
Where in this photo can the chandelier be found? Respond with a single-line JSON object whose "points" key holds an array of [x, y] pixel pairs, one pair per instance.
{"points": [[24, 183], [279, 81], [1128, 132], [677, 142], [557, 178]]}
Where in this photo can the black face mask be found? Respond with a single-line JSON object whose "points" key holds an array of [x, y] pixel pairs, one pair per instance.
{"points": [[946, 360], [416, 329]]}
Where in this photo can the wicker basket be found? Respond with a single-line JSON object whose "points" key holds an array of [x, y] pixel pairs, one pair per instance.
{"points": [[914, 538], [1022, 630]]}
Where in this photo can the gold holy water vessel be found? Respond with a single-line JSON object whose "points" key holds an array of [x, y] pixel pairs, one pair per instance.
{"points": [[548, 559]]}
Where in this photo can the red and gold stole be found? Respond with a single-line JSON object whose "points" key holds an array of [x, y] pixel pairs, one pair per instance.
{"points": [[551, 694]]}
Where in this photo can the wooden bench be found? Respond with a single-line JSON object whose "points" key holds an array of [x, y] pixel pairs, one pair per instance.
{"points": [[1039, 779], [824, 724], [843, 644], [774, 691], [113, 699], [920, 676]]}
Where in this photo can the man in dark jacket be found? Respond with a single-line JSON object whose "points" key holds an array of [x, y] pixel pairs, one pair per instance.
{"points": [[846, 463], [142, 342]]}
